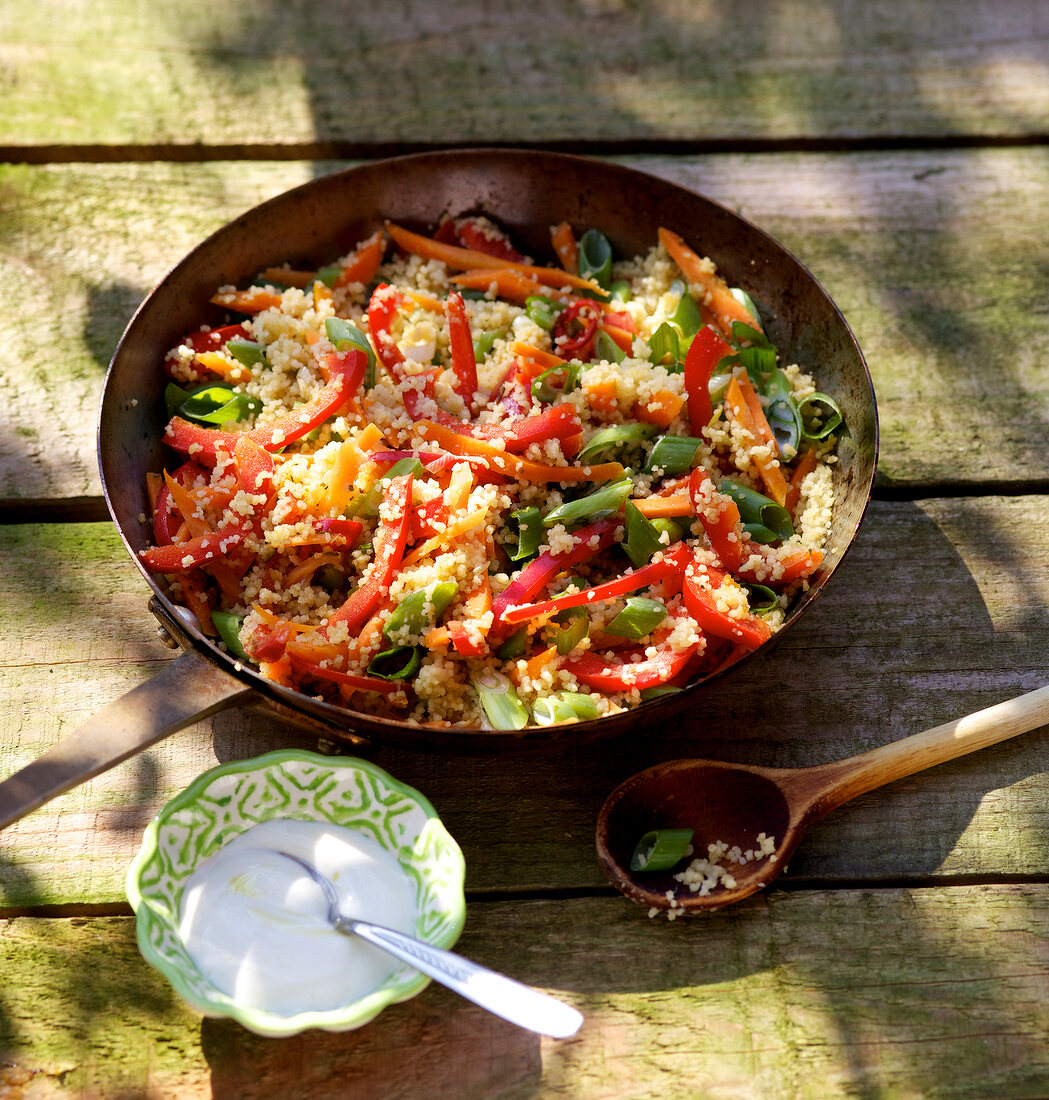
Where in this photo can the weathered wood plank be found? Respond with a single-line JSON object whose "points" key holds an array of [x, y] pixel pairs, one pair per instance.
{"points": [[928, 254], [935, 613], [278, 73], [910, 993]]}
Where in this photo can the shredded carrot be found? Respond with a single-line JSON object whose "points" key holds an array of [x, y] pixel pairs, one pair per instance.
{"points": [[305, 570], [425, 301], [247, 301], [362, 264], [564, 242], [508, 283], [284, 276], [768, 467], [723, 303], [450, 533], [665, 507], [544, 359], [466, 259], [803, 467], [660, 409], [154, 483], [223, 366], [270, 619], [185, 503], [505, 462]]}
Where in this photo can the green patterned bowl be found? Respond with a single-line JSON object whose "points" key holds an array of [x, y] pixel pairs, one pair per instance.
{"points": [[231, 798]]}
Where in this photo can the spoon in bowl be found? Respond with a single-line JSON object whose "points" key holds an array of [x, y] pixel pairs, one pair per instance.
{"points": [[509, 999], [731, 805]]}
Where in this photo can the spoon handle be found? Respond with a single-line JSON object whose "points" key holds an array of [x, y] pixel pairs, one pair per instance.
{"points": [[858, 774], [520, 1004]]}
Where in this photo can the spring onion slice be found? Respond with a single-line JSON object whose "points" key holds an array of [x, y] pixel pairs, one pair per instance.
{"points": [[620, 290], [228, 625], [514, 646], [484, 343], [174, 395], [641, 537], [603, 502], [638, 619], [330, 578], [604, 445], [687, 316], [820, 415], [401, 662], [595, 258], [420, 610], [499, 700], [246, 352], [529, 532], [606, 348], [760, 598], [567, 630], [758, 510], [746, 302], [673, 454], [543, 311], [329, 276], [565, 706], [674, 531], [344, 335], [717, 386], [543, 388], [665, 343], [661, 849], [658, 691], [367, 503]]}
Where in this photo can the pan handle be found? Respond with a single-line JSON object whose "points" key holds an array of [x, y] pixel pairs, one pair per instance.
{"points": [[189, 688]]}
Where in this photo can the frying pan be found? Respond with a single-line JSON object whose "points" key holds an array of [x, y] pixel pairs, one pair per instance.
{"points": [[526, 192]]}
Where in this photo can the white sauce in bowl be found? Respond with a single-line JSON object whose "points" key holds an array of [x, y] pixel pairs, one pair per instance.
{"points": [[256, 924]]}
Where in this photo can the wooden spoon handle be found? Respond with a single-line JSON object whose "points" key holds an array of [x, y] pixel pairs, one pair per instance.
{"points": [[837, 783]]}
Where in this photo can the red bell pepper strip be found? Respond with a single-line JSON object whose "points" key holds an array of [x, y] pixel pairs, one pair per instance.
{"points": [[719, 515], [349, 529], [607, 675], [389, 550], [166, 522], [361, 683], [704, 353], [211, 340], [575, 329], [345, 372], [266, 646], [487, 239], [467, 643], [593, 538], [464, 362], [701, 603], [559, 421], [673, 563]]}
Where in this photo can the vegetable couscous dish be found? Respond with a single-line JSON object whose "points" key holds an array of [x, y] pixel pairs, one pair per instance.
{"points": [[437, 482]]}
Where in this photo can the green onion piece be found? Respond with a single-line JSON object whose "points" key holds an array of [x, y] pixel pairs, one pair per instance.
{"points": [[565, 706], [638, 619], [543, 388], [658, 691], [758, 532], [218, 403], [673, 455], [746, 334], [620, 290], [529, 532], [329, 276], [661, 849], [344, 335], [484, 343], [759, 510], [761, 598], [687, 316], [595, 258], [247, 352], [567, 630], [746, 302], [499, 700], [330, 578], [717, 386], [785, 422], [602, 502], [469, 295], [174, 395], [820, 415], [606, 348], [367, 503], [605, 444], [665, 343], [543, 311], [401, 662], [514, 646], [641, 538], [228, 625], [674, 531], [418, 612]]}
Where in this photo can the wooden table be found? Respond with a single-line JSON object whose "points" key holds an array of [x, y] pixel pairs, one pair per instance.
{"points": [[900, 152]]}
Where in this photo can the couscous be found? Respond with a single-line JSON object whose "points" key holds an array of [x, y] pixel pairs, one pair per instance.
{"points": [[440, 483]]}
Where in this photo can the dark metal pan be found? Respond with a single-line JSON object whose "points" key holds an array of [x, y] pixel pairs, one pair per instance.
{"points": [[527, 192]]}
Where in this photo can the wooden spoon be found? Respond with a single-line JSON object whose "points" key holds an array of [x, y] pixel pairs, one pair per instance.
{"points": [[734, 803]]}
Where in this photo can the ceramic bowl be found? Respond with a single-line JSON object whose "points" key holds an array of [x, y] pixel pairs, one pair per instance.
{"points": [[228, 800]]}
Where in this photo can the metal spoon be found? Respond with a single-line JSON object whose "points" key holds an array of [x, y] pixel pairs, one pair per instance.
{"points": [[734, 803], [520, 1004]]}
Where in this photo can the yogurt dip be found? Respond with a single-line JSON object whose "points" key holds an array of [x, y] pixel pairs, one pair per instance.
{"points": [[256, 925]]}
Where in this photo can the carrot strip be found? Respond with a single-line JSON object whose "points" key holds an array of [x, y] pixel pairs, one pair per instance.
{"points": [[665, 507], [305, 570], [451, 532], [770, 470], [803, 467], [660, 409], [720, 299], [363, 262], [564, 242], [217, 363], [535, 665], [425, 301], [284, 276], [508, 283], [465, 259], [544, 359], [252, 300]]}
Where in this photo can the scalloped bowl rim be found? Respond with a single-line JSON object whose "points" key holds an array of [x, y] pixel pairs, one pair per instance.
{"points": [[267, 1023]]}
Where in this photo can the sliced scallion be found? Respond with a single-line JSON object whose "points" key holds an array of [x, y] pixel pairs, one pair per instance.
{"points": [[344, 335], [246, 352], [484, 343], [367, 503], [556, 381], [607, 443], [658, 691], [174, 395], [602, 502], [638, 618], [717, 386], [514, 646], [499, 699], [687, 316], [329, 276], [641, 539], [665, 343], [543, 311], [565, 706], [529, 532], [759, 511], [419, 611], [673, 455], [761, 598], [820, 415], [661, 849], [595, 258], [620, 290], [228, 625], [606, 348], [400, 662], [674, 531], [746, 302], [568, 629], [785, 422]]}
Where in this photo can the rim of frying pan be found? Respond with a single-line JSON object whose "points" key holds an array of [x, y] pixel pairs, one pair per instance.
{"points": [[129, 428]]}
